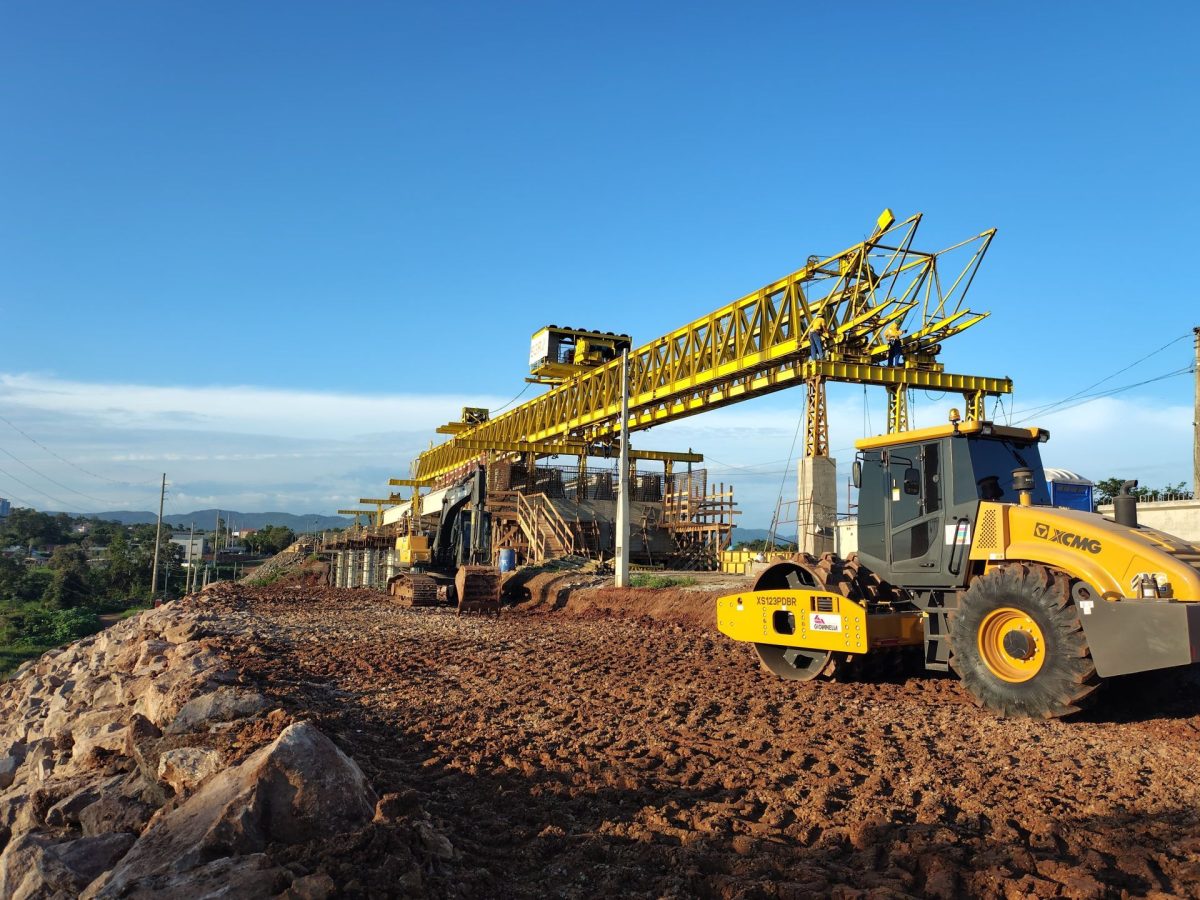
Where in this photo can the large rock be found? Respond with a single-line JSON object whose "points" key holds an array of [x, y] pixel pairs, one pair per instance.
{"points": [[222, 705], [297, 789], [10, 761], [229, 878], [36, 866], [186, 768], [30, 869]]}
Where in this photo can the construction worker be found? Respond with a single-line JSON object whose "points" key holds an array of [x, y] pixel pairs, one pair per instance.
{"points": [[816, 337], [895, 350]]}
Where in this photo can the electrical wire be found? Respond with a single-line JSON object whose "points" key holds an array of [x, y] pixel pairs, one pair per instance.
{"points": [[65, 506], [1041, 410], [51, 480], [20, 500], [783, 477], [1088, 398], [512, 401], [748, 467], [34, 440]]}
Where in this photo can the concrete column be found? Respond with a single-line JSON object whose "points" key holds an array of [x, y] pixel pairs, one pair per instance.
{"points": [[369, 568], [339, 567], [389, 568], [816, 493]]}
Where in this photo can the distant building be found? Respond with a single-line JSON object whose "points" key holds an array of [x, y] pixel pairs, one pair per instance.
{"points": [[244, 532], [5, 508], [194, 548]]}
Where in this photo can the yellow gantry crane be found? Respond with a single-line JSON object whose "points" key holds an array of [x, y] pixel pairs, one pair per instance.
{"points": [[755, 346]]}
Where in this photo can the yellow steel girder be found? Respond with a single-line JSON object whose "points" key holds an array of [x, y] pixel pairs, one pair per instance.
{"points": [[548, 448], [751, 347]]}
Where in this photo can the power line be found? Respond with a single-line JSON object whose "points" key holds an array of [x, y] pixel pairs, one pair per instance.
{"points": [[748, 467], [20, 500], [1083, 391], [51, 480], [34, 440], [783, 476], [61, 503], [1088, 398]]}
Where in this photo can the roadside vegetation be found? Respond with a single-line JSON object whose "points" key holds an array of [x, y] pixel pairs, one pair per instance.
{"points": [[660, 581], [64, 577]]}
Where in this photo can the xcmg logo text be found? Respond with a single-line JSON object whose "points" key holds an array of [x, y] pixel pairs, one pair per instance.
{"points": [[1066, 538]]}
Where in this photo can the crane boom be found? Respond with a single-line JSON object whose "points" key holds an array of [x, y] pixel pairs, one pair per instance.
{"points": [[759, 344]]}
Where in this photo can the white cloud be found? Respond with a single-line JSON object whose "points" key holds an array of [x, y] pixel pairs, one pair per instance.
{"points": [[254, 449]]}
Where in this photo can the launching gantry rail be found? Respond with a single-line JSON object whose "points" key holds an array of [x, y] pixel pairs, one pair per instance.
{"points": [[749, 348]]}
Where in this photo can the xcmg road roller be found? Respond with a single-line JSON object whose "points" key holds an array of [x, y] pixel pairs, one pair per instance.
{"points": [[961, 557]]}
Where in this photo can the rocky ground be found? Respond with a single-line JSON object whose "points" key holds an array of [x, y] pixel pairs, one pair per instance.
{"points": [[311, 742]]}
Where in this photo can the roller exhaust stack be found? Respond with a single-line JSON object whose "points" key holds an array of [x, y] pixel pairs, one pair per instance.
{"points": [[1125, 505]]}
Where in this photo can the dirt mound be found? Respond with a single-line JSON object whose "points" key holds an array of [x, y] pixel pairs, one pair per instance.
{"points": [[696, 609], [611, 746], [293, 566]]}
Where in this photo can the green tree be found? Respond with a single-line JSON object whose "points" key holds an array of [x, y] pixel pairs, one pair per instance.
{"points": [[1107, 488], [28, 527], [271, 539], [33, 583], [69, 584], [11, 573], [102, 533], [119, 572]]}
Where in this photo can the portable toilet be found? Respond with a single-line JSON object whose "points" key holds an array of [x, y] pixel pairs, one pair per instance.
{"points": [[1070, 490]]}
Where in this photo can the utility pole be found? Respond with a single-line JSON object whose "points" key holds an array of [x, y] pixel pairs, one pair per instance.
{"points": [[1196, 424], [191, 557], [622, 559], [158, 537], [216, 545]]}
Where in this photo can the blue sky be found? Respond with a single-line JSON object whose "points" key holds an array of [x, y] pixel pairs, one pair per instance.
{"points": [[358, 214]]}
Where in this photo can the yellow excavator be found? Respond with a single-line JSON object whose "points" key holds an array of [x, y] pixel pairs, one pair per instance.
{"points": [[962, 557]]}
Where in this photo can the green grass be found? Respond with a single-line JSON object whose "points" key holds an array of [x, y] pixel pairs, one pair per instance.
{"points": [[133, 611], [660, 581], [13, 656]]}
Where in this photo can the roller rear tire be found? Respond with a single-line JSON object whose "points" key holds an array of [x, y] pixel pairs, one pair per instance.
{"points": [[1018, 645]]}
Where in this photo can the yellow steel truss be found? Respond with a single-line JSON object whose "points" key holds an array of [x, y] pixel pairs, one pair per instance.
{"points": [[760, 344]]}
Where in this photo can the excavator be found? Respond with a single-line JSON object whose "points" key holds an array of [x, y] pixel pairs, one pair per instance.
{"points": [[450, 568], [962, 558]]}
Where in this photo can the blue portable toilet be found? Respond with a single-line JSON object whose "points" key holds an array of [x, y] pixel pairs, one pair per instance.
{"points": [[1070, 490]]}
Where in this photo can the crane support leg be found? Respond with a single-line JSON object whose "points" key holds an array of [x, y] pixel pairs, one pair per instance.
{"points": [[897, 408], [816, 420], [975, 406]]}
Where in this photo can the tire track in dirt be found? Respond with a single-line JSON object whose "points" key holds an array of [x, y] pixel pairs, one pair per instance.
{"points": [[579, 756]]}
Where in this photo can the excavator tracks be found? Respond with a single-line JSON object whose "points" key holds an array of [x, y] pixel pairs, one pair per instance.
{"points": [[411, 589]]}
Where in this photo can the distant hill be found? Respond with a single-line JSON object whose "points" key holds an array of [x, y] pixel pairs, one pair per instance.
{"points": [[207, 518]]}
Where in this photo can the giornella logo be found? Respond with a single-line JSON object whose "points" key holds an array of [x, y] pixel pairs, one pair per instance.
{"points": [[1066, 538]]}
